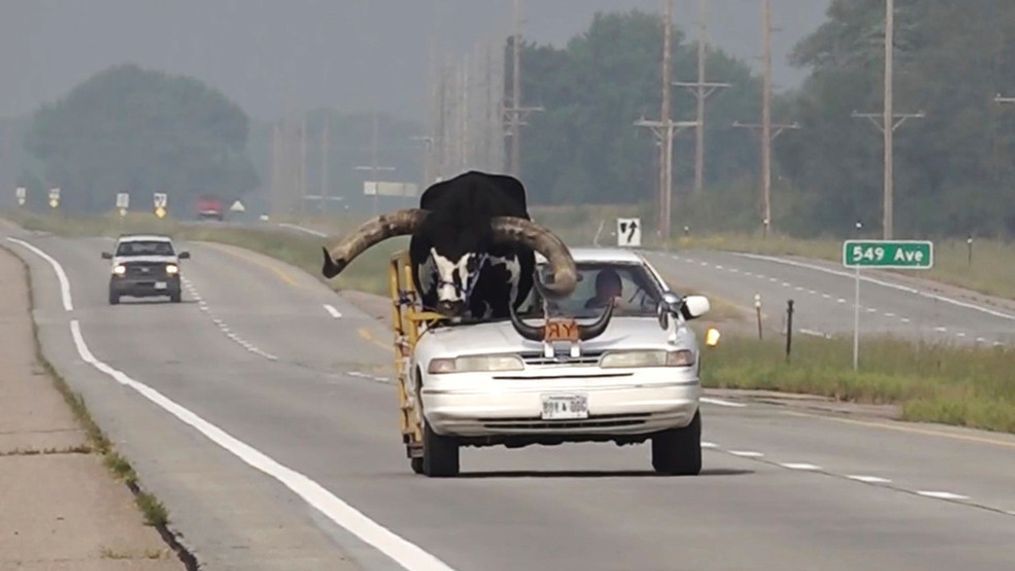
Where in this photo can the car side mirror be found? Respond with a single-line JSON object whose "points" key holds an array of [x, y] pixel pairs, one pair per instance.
{"points": [[107, 256], [184, 256], [695, 306], [668, 306]]}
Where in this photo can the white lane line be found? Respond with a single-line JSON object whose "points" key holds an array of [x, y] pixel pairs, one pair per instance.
{"points": [[889, 314], [840, 300], [869, 479], [799, 288], [773, 280], [785, 284], [904, 320], [940, 329], [720, 402], [406, 554], [718, 267], [883, 283], [704, 264], [815, 333], [709, 445], [61, 276], [800, 466], [981, 340], [334, 312], [746, 453], [941, 495], [748, 274], [734, 271], [826, 296], [812, 292], [998, 344], [871, 310], [310, 231], [960, 334]]}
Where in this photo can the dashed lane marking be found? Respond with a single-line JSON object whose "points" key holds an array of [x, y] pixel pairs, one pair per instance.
{"points": [[941, 495], [331, 310], [709, 445], [801, 466], [869, 479], [941, 329], [721, 402], [746, 453]]}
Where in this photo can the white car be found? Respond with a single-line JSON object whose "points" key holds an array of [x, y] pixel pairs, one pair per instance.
{"points": [[144, 265], [486, 384]]}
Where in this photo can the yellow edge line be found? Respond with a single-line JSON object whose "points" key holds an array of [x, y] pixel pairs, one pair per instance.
{"points": [[240, 253], [910, 429], [367, 336]]}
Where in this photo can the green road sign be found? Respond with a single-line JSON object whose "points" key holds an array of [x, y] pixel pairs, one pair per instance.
{"points": [[897, 254]]}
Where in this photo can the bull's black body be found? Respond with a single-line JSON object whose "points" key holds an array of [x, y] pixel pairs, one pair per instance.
{"points": [[458, 224]]}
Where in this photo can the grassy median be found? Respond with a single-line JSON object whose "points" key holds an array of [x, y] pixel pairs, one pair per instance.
{"points": [[962, 385]]}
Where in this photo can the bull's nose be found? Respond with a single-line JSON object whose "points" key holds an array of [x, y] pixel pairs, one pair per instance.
{"points": [[450, 308]]}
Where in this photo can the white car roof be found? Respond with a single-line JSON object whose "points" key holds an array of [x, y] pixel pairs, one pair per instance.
{"points": [[589, 254], [145, 238]]}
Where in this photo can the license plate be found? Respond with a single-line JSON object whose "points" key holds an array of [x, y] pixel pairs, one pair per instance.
{"points": [[561, 330], [565, 407], [160, 285]]}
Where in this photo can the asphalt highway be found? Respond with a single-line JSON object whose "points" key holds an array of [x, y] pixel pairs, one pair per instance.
{"points": [[261, 411]]}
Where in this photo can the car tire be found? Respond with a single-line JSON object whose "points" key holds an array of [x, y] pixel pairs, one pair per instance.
{"points": [[417, 465], [114, 298], [440, 454], [175, 297], [677, 451]]}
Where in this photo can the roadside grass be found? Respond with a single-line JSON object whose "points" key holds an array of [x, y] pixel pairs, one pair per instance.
{"points": [[960, 385], [992, 270]]}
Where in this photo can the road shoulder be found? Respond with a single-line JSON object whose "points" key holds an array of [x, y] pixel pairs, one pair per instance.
{"points": [[62, 509]]}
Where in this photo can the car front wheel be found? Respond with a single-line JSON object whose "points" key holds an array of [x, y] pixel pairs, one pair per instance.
{"points": [[440, 454], [677, 451], [114, 298]]}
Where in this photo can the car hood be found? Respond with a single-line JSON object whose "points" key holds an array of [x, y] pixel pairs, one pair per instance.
{"points": [[145, 259], [500, 337]]}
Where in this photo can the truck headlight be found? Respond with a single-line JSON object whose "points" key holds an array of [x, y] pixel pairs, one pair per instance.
{"points": [[172, 269], [119, 270], [638, 359], [476, 364]]}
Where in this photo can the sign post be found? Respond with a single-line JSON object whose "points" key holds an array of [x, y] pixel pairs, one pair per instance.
{"points": [[629, 232], [886, 255], [161, 202]]}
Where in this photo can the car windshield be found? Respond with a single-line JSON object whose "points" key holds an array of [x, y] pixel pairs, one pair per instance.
{"points": [[635, 291], [145, 248]]}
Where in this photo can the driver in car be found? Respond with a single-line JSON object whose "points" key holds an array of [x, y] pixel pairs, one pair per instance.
{"points": [[608, 287]]}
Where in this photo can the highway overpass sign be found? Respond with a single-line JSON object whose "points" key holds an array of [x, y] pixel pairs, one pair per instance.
{"points": [[888, 254]]}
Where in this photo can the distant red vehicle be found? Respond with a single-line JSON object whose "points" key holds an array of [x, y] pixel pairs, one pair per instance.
{"points": [[210, 208]]}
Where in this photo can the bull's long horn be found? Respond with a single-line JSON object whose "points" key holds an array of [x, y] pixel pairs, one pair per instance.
{"points": [[375, 230], [593, 330], [528, 233], [530, 332]]}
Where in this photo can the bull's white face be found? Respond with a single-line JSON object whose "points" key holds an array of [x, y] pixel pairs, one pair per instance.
{"points": [[455, 279]]}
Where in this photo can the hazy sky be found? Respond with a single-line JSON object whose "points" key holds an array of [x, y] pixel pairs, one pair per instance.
{"points": [[274, 55]]}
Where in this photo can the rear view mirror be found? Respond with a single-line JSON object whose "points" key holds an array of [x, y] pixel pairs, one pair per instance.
{"points": [[107, 256], [184, 256], [695, 306]]}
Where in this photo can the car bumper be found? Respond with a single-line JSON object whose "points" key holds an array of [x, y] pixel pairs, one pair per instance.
{"points": [[145, 287], [637, 402]]}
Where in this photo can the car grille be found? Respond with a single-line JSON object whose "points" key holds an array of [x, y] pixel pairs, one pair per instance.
{"points": [[153, 270], [589, 358], [602, 421]]}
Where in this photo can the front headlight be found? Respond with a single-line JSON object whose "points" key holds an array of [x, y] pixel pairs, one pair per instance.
{"points": [[476, 364], [172, 269], [119, 270], [638, 359]]}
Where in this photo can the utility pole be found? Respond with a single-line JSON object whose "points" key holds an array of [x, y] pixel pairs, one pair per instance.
{"points": [[665, 129], [768, 131], [303, 165], [516, 114], [702, 90], [666, 181], [325, 149]]}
